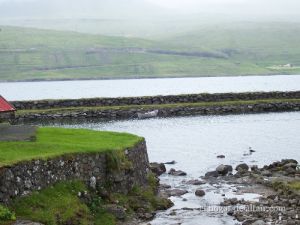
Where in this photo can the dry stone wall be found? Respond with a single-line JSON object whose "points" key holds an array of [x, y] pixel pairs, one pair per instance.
{"points": [[152, 100], [23, 178]]}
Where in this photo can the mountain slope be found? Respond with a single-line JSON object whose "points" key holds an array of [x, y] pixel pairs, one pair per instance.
{"points": [[33, 54]]}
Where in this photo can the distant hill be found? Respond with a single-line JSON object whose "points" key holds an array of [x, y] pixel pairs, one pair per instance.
{"points": [[220, 50]]}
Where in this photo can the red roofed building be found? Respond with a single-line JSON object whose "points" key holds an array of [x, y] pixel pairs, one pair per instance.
{"points": [[7, 111]]}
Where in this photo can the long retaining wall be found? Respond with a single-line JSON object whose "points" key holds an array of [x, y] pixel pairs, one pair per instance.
{"points": [[153, 100], [23, 178]]}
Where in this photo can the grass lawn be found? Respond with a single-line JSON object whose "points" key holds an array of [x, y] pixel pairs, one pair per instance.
{"points": [[53, 142]]}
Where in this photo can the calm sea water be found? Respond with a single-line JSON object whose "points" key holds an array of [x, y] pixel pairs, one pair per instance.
{"points": [[194, 143], [146, 87]]}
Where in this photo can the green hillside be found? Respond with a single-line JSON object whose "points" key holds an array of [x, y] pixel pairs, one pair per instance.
{"points": [[213, 50]]}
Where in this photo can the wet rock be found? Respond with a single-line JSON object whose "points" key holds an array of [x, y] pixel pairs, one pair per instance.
{"points": [[290, 165], [254, 168], [195, 182], [211, 174], [290, 171], [248, 222], [176, 192], [266, 173], [177, 172], [259, 222], [229, 202], [286, 161], [170, 163], [158, 168], [224, 169], [242, 166], [164, 186], [230, 213], [221, 156], [200, 193]]}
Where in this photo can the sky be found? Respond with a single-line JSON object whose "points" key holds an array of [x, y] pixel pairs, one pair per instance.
{"points": [[126, 7]]}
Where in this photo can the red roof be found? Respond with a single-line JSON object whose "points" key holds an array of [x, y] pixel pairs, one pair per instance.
{"points": [[5, 106]]}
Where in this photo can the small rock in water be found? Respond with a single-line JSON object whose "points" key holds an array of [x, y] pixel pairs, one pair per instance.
{"points": [[221, 156], [195, 182], [176, 192], [211, 174], [170, 163], [200, 193], [177, 172]]}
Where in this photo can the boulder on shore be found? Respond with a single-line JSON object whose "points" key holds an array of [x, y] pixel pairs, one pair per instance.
{"points": [[224, 169], [211, 174], [243, 167], [158, 168]]}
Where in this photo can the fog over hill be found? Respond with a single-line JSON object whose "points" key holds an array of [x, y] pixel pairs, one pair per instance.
{"points": [[145, 8], [152, 19]]}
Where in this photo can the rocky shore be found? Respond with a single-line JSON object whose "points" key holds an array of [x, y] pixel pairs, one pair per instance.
{"points": [[277, 186]]}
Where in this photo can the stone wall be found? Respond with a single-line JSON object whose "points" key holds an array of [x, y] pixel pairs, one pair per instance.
{"points": [[171, 99], [6, 116], [120, 114], [23, 178]]}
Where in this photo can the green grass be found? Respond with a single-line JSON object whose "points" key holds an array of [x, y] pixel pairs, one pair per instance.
{"points": [[149, 107], [60, 204], [295, 185], [53, 142], [247, 49]]}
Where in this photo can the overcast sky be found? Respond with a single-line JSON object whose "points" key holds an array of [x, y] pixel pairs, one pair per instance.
{"points": [[106, 7]]}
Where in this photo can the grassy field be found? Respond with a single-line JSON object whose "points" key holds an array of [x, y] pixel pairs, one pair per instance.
{"points": [[53, 142], [214, 50]]}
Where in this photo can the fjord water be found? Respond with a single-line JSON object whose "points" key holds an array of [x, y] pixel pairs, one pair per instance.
{"points": [[195, 142], [146, 87]]}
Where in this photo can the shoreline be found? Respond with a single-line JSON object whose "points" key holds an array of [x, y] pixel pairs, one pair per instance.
{"points": [[144, 78]]}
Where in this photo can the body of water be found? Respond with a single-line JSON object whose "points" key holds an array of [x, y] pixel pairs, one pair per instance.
{"points": [[146, 87], [195, 142]]}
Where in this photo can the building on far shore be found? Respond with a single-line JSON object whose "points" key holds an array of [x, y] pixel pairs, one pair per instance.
{"points": [[7, 111]]}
